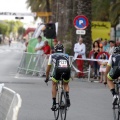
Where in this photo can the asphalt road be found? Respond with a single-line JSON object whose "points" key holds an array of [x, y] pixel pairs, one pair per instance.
{"points": [[89, 101]]}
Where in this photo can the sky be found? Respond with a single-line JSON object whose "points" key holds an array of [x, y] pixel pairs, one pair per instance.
{"points": [[15, 6]]}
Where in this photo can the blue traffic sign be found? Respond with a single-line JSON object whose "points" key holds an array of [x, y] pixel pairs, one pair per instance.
{"points": [[80, 22]]}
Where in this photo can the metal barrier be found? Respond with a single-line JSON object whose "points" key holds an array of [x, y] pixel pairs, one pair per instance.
{"points": [[71, 60], [10, 103], [36, 64], [32, 63], [89, 68]]}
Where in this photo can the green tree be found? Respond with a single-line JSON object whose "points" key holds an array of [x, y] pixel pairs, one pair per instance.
{"points": [[21, 30], [4, 29], [100, 10], [115, 13]]}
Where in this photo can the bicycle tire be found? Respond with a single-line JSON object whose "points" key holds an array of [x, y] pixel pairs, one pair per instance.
{"points": [[116, 112], [116, 108], [56, 112], [63, 106]]}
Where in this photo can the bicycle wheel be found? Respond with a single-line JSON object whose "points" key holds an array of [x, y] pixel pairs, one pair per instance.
{"points": [[63, 106], [116, 112], [56, 112]]}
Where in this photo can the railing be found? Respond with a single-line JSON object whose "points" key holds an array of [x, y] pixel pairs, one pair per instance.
{"points": [[10, 103], [36, 64]]}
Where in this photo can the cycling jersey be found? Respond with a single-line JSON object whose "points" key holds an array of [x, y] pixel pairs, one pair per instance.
{"points": [[114, 62], [60, 62]]}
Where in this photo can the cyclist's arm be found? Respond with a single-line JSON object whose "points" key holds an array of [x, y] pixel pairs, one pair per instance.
{"points": [[49, 66], [107, 71], [48, 71], [108, 68]]}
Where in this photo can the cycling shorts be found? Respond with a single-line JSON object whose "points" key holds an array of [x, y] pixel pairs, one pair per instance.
{"points": [[58, 73], [114, 73]]}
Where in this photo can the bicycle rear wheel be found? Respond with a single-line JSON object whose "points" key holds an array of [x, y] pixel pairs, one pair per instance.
{"points": [[63, 106], [116, 112], [56, 112]]}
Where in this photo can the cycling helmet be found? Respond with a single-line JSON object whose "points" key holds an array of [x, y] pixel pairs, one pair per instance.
{"points": [[116, 50], [59, 48]]}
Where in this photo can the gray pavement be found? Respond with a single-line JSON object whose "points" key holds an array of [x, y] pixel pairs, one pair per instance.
{"points": [[90, 101]]}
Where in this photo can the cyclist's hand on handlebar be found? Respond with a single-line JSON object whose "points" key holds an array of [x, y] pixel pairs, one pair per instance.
{"points": [[46, 80], [105, 82]]}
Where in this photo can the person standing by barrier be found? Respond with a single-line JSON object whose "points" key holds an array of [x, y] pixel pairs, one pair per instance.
{"points": [[102, 68], [111, 48], [105, 45], [96, 50], [46, 48], [39, 45], [46, 52], [80, 49], [55, 42]]}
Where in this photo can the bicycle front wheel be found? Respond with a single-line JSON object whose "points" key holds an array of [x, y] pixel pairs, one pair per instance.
{"points": [[56, 112], [63, 106], [116, 112]]}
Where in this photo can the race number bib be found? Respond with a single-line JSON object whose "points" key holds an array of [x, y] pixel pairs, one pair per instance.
{"points": [[63, 63]]}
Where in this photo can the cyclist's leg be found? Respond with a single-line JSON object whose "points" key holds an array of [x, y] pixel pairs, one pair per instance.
{"points": [[54, 92], [66, 87], [113, 74], [110, 77], [55, 79]]}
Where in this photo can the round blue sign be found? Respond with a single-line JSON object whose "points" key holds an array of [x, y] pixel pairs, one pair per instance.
{"points": [[80, 22]]}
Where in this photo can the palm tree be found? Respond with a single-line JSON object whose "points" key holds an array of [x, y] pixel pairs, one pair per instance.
{"points": [[39, 5], [115, 13], [100, 10]]}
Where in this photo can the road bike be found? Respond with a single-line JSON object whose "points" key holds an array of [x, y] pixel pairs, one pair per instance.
{"points": [[61, 100], [116, 107], [61, 105]]}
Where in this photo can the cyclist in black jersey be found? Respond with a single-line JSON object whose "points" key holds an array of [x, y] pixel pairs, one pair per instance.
{"points": [[60, 62], [113, 72]]}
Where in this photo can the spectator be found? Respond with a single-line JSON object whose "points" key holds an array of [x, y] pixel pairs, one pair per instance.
{"points": [[46, 51], [105, 46], [10, 40], [100, 42], [26, 44], [39, 45], [111, 48], [96, 50], [55, 42], [117, 43], [46, 48], [80, 49], [102, 68]]}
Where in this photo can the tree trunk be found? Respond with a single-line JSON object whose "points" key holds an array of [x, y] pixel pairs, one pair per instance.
{"points": [[48, 6], [84, 8]]}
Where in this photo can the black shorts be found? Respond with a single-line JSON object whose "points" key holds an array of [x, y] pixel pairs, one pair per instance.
{"points": [[58, 73], [114, 73]]}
